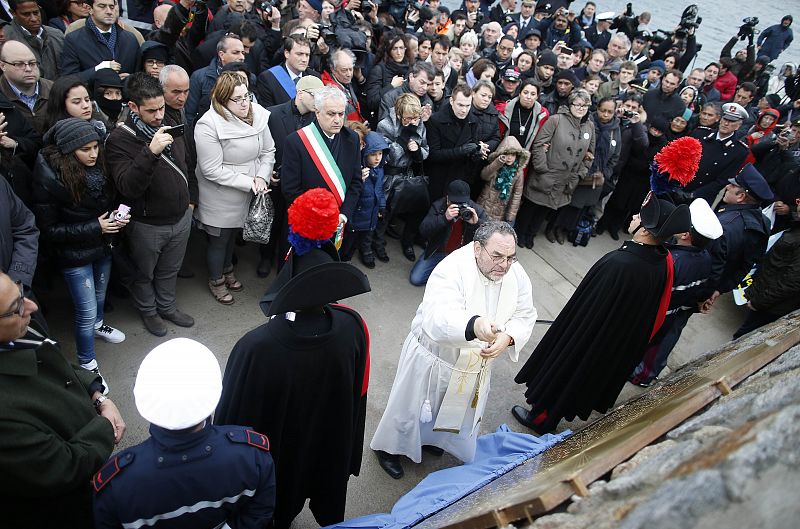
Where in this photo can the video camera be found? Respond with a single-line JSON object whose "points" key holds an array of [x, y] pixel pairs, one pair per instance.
{"points": [[689, 20], [748, 29]]}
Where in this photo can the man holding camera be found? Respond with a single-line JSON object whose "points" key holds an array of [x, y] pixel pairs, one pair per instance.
{"points": [[450, 223]]}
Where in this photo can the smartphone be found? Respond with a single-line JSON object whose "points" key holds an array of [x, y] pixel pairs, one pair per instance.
{"points": [[122, 212], [565, 49], [176, 131]]}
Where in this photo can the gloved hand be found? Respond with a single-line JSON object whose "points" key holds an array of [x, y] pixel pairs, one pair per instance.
{"points": [[468, 149]]}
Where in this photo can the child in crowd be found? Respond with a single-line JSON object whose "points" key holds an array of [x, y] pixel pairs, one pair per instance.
{"points": [[504, 176], [371, 204]]}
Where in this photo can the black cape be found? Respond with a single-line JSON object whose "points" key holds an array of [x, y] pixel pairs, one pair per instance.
{"points": [[584, 359], [307, 391]]}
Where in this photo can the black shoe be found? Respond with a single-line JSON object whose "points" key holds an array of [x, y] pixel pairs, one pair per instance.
{"points": [[614, 233], [523, 416], [529, 242], [408, 252], [390, 463], [433, 450], [600, 228], [367, 260], [549, 235], [264, 267], [179, 318], [154, 325], [185, 273], [560, 235], [381, 255], [520, 241]]}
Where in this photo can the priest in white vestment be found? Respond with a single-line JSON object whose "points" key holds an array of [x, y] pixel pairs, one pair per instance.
{"points": [[477, 306]]}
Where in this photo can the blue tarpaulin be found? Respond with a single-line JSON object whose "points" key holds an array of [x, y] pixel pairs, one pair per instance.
{"points": [[497, 453]]}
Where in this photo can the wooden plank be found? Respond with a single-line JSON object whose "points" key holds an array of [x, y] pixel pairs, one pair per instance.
{"points": [[549, 479]]}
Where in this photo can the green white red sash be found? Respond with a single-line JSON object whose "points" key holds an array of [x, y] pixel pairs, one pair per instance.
{"points": [[323, 160]]}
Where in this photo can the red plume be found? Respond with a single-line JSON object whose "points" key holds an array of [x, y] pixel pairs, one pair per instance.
{"points": [[314, 214], [680, 159]]}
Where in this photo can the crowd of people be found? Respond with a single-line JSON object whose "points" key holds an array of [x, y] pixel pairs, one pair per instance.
{"points": [[127, 137]]}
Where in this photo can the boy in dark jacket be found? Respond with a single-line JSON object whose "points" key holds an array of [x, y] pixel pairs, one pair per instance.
{"points": [[371, 204]]}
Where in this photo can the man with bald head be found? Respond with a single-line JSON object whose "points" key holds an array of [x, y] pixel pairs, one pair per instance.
{"points": [[46, 42], [22, 83]]}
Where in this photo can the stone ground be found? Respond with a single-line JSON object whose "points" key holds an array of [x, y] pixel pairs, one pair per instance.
{"points": [[733, 465], [554, 270]]}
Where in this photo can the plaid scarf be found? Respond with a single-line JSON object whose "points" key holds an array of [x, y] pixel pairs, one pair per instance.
{"points": [[111, 42], [148, 131]]}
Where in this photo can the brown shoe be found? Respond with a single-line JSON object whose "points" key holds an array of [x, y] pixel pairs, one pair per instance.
{"points": [[220, 292], [233, 284]]}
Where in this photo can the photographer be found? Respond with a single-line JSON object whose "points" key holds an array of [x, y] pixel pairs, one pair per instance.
{"points": [[475, 15], [560, 28], [745, 59], [778, 156], [628, 24], [682, 43], [450, 223]]}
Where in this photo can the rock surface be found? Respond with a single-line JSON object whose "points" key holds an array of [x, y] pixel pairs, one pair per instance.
{"points": [[733, 464]]}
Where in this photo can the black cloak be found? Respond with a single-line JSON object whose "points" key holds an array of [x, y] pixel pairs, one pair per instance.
{"points": [[584, 359], [303, 384]]}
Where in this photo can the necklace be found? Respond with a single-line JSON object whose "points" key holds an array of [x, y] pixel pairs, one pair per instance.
{"points": [[523, 126]]}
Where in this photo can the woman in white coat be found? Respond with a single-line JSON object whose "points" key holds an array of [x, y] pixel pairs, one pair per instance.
{"points": [[235, 157]]}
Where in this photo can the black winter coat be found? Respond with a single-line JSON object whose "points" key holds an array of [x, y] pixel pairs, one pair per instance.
{"points": [[19, 238], [449, 139], [71, 230], [83, 51], [379, 81], [15, 164], [776, 285], [283, 120], [656, 103], [488, 126]]}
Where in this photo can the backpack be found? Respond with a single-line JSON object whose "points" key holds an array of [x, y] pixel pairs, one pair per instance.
{"points": [[583, 230]]}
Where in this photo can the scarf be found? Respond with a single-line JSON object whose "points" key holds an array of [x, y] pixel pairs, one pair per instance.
{"points": [[147, 130], [602, 144], [111, 43], [505, 177]]}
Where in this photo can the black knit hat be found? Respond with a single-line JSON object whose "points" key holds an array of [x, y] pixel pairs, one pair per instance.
{"points": [[71, 134], [107, 78], [568, 75], [548, 58]]}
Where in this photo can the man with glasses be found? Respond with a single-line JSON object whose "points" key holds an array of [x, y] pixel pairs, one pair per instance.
{"points": [[101, 43], [229, 50], [478, 304], [56, 426], [46, 43], [22, 84]]}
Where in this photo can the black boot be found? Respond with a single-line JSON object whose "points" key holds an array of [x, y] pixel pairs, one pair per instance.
{"points": [[390, 463], [549, 234]]}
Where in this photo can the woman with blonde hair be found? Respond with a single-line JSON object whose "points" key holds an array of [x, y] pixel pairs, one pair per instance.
{"points": [[235, 157]]}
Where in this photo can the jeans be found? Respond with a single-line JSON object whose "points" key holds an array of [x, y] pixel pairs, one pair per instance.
{"points": [[219, 255], [157, 251], [423, 268], [87, 285]]}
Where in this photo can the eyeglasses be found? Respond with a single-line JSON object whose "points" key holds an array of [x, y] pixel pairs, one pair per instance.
{"points": [[500, 259], [579, 107], [21, 65], [247, 98], [19, 310], [154, 62]]}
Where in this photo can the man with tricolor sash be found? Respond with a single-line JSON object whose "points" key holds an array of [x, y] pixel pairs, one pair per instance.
{"points": [[324, 154]]}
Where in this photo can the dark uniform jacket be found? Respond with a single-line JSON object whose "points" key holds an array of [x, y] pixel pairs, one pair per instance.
{"points": [[83, 51], [299, 174], [157, 188], [720, 161], [745, 231], [51, 438], [226, 471]]}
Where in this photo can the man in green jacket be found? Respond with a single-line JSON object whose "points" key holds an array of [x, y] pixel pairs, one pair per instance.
{"points": [[56, 426]]}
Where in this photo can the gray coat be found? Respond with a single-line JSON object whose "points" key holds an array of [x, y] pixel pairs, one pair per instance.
{"points": [[398, 156], [555, 172], [47, 49], [19, 236]]}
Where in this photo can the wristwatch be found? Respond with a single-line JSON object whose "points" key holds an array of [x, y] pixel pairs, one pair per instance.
{"points": [[99, 402]]}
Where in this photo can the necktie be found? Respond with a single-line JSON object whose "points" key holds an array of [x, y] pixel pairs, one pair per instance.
{"points": [[106, 35]]}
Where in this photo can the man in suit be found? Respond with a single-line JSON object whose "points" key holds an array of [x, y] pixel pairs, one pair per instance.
{"points": [[277, 85], [101, 43], [324, 154], [46, 43]]}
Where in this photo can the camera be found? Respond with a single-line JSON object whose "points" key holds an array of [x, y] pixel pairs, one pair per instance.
{"points": [[748, 28], [628, 10], [267, 5], [464, 212], [327, 33], [415, 6], [367, 5], [628, 113]]}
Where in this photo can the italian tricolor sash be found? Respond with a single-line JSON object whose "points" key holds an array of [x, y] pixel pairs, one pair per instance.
{"points": [[323, 160]]}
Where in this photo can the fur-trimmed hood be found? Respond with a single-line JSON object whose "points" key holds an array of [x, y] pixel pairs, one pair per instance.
{"points": [[510, 145]]}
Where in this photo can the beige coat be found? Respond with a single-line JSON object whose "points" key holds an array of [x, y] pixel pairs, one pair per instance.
{"points": [[558, 159], [496, 208], [230, 154]]}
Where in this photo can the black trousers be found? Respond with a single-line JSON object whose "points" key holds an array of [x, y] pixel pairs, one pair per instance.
{"points": [[530, 218]]}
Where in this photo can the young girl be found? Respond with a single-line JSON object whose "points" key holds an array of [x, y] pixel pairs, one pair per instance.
{"points": [[73, 197], [504, 176]]}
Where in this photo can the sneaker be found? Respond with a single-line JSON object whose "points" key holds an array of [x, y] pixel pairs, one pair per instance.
{"points": [[109, 334], [92, 366]]}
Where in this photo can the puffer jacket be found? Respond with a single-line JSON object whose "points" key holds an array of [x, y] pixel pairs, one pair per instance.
{"points": [[372, 198], [71, 231], [776, 285], [555, 173], [497, 208], [398, 157]]}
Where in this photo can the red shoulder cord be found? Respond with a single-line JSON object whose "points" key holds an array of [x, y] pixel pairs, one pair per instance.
{"points": [[665, 296]]}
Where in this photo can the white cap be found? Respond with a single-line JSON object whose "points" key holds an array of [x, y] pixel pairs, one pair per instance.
{"points": [[704, 221], [178, 385], [606, 15]]}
